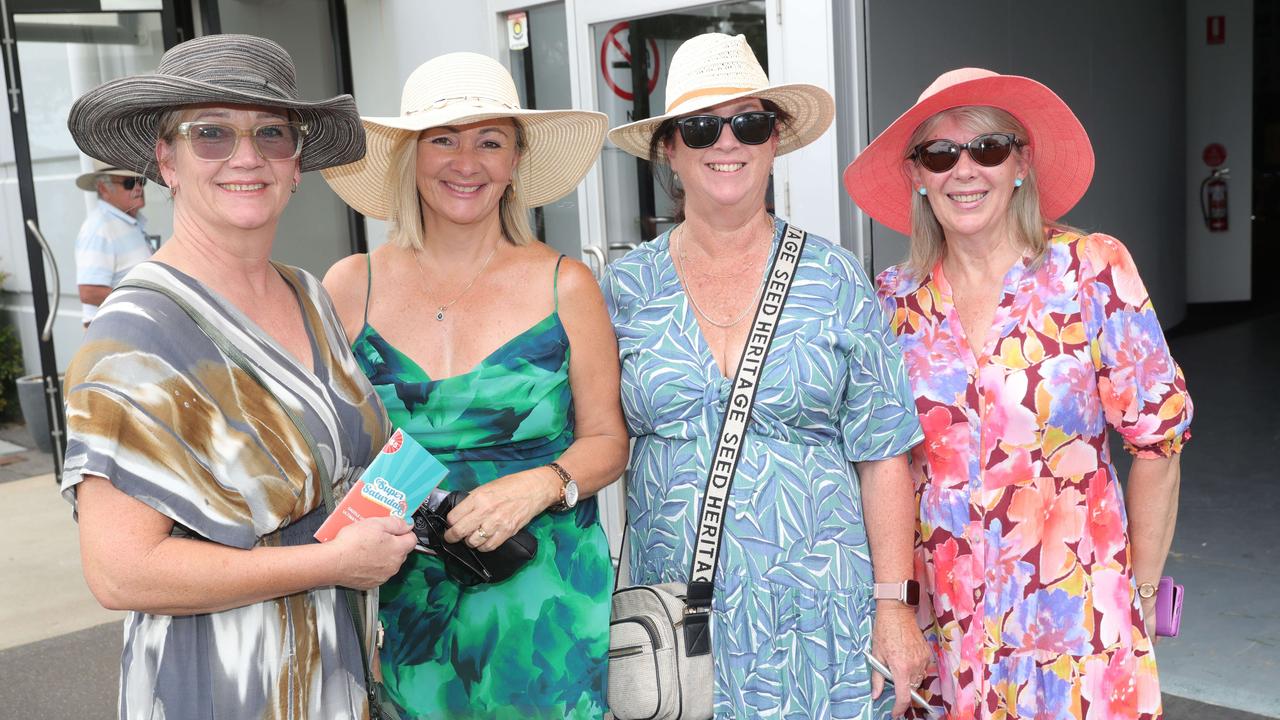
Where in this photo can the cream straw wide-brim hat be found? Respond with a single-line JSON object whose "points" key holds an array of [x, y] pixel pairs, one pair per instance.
{"points": [[713, 68], [461, 88], [119, 120], [1060, 149], [89, 181]]}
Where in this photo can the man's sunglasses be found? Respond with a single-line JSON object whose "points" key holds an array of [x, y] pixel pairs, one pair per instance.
{"points": [[988, 150], [217, 142], [751, 128], [128, 183]]}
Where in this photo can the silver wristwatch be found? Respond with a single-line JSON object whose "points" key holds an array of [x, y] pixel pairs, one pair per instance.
{"points": [[568, 489]]}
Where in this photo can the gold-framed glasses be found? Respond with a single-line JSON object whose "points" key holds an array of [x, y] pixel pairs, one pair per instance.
{"points": [[217, 142]]}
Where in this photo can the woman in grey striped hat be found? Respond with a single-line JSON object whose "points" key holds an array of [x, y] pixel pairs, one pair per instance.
{"points": [[215, 403]]}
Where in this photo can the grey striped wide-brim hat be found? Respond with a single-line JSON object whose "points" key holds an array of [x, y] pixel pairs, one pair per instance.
{"points": [[118, 121]]}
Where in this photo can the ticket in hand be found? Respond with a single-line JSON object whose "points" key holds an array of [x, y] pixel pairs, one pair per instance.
{"points": [[394, 485]]}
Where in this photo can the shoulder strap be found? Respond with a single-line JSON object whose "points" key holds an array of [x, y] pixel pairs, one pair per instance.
{"points": [[354, 600], [733, 428], [555, 283], [368, 288]]}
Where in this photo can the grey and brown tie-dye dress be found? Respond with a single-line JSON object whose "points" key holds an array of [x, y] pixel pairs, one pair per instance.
{"points": [[154, 406]]}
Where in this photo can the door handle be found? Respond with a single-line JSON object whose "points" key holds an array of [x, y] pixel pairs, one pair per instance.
{"points": [[600, 260], [47, 331], [627, 246]]}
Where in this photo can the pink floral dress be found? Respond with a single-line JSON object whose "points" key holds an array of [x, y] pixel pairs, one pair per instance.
{"points": [[1022, 545]]}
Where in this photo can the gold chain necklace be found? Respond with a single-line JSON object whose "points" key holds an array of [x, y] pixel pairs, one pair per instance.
{"points": [[682, 266], [417, 260]]}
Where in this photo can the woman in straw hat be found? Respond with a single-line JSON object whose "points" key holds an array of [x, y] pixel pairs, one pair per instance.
{"points": [[215, 399], [1024, 339], [496, 354], [793, 605]]}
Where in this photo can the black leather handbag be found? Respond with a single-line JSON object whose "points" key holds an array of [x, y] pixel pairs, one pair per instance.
{"points": [[462, 563]]}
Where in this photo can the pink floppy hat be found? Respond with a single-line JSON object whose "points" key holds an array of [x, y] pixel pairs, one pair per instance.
{"points": [[1060, 150]]}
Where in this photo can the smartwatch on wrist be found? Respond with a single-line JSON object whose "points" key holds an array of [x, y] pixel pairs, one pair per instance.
{"points": [[906, 592]]}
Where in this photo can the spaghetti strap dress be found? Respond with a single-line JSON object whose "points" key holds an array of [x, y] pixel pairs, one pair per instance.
{"points": [[534, 645]]}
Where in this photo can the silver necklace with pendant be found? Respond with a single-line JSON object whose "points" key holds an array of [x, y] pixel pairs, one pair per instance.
{"points": [[440, 311]]}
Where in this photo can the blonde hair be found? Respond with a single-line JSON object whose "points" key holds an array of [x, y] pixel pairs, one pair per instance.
{"points": [[408, 229], [1027, 224]]}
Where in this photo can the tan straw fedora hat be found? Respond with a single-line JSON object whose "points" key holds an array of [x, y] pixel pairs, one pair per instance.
{"points": [[713, 68], [89, 181], [460, 88]]}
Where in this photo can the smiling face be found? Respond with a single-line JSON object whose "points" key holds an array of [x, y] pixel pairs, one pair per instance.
{"points": [[727, 174], [244, 192], [969, 200], [463, 171]]}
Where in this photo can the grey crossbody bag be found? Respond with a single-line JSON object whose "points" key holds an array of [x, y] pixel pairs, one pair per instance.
{"points": [[660, 635]]}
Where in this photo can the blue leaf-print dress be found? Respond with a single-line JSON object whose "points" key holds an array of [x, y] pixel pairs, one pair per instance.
{"points": [[792, 608]]}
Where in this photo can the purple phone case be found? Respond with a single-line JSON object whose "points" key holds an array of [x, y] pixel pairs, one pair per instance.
{"points": [[1168, 607]]}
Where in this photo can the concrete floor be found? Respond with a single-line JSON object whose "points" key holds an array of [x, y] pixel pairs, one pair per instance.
{"points": [[1225, 666], [1225, 549]]}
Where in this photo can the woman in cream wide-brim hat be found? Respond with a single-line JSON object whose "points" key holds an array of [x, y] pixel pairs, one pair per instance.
{"points": [[793, 607], [496, 354], [1024, 339]]}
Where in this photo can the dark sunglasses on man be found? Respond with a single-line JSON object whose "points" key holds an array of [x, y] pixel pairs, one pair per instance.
{"points": [[128, 183], [754, 127], [988, 150]]}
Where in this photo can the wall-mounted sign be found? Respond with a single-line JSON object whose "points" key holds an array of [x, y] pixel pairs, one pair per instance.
{"points": [[518, 30], [1215, 30], [615, 61], [1214, 154]]}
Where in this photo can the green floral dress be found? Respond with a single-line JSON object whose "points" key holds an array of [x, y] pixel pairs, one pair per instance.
{"points": [[535, 645]]}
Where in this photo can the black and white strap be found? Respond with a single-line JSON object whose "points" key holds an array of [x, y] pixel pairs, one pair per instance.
{"points": [[733, 429]]}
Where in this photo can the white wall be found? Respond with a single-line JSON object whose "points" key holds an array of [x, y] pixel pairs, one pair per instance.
{"points": [[1219, 108], [1118, 65]]}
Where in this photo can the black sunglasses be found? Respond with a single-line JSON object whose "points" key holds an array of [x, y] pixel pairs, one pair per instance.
{"points": [[129, 183], [988, 150], [751, 128]]}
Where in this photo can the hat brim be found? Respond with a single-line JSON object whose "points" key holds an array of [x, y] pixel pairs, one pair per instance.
{"points": [[1061, 153], [89, 181], [560, 147], [118, 121], [811, 108]]}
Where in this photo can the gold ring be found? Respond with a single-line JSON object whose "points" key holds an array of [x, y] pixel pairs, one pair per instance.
{"points": [[483, 535], [917, 681]]}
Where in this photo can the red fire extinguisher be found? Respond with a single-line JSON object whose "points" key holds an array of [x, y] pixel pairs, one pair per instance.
{"points": [[1213, 200]]}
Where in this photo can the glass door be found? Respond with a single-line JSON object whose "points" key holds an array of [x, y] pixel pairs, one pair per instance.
{"points": [[54, 50]]}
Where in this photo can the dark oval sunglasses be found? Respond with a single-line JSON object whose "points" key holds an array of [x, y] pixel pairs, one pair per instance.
{"points": [[751, 128], [988, 150], [129, 183]]}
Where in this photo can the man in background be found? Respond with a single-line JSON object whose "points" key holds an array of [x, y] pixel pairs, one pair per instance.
{"points": [[113, 237]]}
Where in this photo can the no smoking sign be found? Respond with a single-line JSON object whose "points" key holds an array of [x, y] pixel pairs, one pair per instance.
{"points": [[615, 61]]}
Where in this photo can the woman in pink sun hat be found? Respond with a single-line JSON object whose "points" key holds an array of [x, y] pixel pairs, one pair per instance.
{"points": [[1024, 339]]}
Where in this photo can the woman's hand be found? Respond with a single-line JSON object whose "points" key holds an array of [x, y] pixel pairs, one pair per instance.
{"points": [[494, 511], [896, 641], [371, 550]]}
